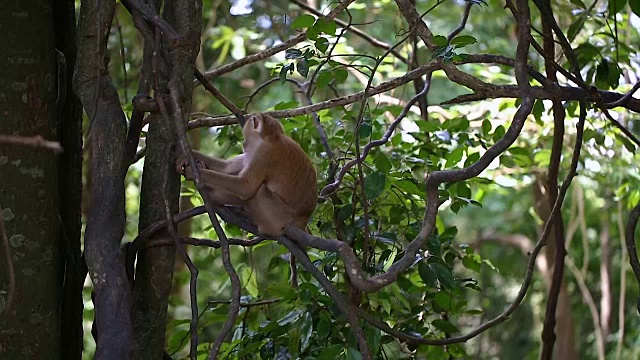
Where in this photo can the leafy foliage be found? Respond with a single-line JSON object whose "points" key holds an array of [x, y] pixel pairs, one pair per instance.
{"points": [[454, 281]]}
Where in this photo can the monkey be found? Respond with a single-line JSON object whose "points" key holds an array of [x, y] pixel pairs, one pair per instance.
{"points": [[273, 180]]}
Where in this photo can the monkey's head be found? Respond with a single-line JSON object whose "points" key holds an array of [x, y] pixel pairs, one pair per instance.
{"points": [[261, 126]]}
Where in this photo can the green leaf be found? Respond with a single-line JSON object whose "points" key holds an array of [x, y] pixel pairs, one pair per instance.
{"points": [[427, 126], [292, 54], [602, 74], [408, 186], [312, 33], [324, 328], [472, 262], [443, 300], [454, 157], [364, 130], [427, 274], [322, 44], [340, 75], [306, 329], [290, 317], [462, 41], [471, 159], [444, 275], [374, 184], [538, 109], [520, 156], [353, 354], [382, 162], [345, 212], [628, 144], [498, 133], [284, 105], [486, 127], [635, 7], [323, 79], [302, 21], [457, 351], [440, 40], [303, 67], [444, 326], [577, 25], [463, 190], [587, 52], [541, 157], [330, 352], [283, 74], [250, 280], [326, 26], [616, 5]]}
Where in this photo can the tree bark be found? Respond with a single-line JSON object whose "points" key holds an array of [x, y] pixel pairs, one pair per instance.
{"points": [[105, 224], [30, 328], [69, 117], [154, 269], [564, 326]]}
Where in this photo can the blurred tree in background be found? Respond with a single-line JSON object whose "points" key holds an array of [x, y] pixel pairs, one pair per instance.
{"points": [[476, 159]]}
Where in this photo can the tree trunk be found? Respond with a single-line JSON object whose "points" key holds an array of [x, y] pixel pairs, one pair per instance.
{"points": [[564, 327], [30, 329], [69, 115], [154, 269], [105, 224]]}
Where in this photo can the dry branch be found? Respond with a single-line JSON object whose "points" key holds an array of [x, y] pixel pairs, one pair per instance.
{"points": [[34, 141]]}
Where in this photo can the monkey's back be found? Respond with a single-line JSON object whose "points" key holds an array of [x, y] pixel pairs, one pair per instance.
{"points": [[294, 177]]}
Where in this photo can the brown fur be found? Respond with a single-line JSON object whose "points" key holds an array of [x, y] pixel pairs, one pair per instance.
{"points": [[273, 180]]}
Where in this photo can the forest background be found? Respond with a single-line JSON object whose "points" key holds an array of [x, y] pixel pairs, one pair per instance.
{"points": [[477, 173]]}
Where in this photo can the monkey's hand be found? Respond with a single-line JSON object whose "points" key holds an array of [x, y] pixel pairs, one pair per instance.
{"points": [[183, 167]]}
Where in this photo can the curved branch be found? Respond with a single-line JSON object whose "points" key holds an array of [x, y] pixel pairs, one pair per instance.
{"points": [[193, 271], [463, 22]]}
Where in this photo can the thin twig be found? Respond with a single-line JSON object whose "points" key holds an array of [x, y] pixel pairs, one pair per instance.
{"points": [[625, 98], [463, 22], [220, 96], [234, 308], [193, 271], [342, 4], [152, 16], [549, 324], [368, 38], [34, 141], [347, 309]]}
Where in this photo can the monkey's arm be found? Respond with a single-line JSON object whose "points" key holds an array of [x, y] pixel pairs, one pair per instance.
{"points": [[244, 185], [231, 166]]}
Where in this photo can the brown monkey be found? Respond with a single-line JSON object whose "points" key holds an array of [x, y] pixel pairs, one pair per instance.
{"points": [[273, 180]]}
